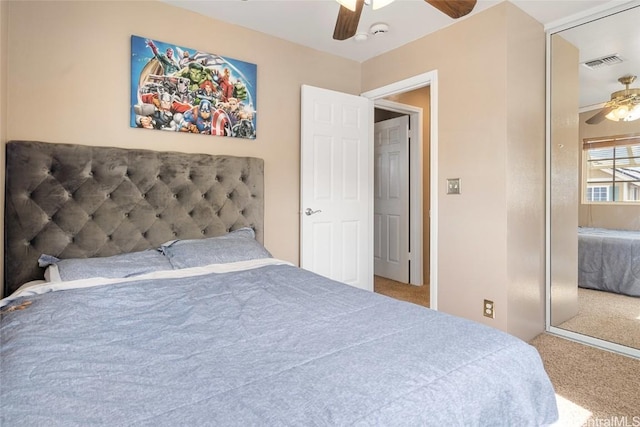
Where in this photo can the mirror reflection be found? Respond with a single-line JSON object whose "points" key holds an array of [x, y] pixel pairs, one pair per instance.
{"points": [[595, 178]]}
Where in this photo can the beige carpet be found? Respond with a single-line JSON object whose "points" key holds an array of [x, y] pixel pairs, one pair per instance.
{"points": [[593, 387], [402, 291], [608, 316]]}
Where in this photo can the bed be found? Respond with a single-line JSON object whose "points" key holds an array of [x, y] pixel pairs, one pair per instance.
{"points": [[609, 260], [161, 306]]}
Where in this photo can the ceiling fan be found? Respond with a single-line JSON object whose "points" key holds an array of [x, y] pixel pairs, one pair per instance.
{"points": [[348, 18], [624, 104]]}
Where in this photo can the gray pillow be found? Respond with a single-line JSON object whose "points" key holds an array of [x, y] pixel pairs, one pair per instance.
{"points": [[112, 267], [238, 245]]}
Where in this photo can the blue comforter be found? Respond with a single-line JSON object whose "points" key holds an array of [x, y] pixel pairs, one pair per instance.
{"points": [[274, 345], [609, 260]]}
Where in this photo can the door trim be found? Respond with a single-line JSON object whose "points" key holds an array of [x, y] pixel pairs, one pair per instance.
{"points": [[430, 79]]}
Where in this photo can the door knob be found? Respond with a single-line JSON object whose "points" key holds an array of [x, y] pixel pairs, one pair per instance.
{"points": [[310, 211]]}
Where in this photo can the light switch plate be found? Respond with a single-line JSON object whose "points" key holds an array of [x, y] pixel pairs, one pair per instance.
{"points": [[453, 186]]}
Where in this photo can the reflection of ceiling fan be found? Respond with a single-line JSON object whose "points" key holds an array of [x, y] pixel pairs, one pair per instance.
{"points": [[624, 104], [350, 10]]}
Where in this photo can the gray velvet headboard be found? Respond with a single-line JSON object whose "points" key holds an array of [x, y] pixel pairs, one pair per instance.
{"points": [[76, 201]]}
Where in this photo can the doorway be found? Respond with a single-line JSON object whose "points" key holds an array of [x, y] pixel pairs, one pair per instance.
{"points": [[417, 98]]}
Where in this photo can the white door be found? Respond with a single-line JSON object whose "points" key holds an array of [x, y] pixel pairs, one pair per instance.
{"points": [[391, 199], [336, 177]]}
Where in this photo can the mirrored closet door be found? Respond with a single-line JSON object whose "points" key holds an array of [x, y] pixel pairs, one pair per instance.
{"points": [[593, 188]]}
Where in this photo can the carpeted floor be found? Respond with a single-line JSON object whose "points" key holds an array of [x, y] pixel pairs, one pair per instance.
{"points": [[594, 387], [411, 293], [608, 316]]}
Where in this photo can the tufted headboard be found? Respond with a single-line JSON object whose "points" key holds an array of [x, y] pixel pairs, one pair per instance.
{"points": [[76, 201]]}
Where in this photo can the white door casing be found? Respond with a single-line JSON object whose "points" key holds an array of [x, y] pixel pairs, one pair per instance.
{"points": [[336, 176], [378, 95], [391, 199]]}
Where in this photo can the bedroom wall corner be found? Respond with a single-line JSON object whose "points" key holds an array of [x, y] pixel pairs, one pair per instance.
{"points": [[525, 174], [474, 235], [4, 28], [471, 231], [86, 49]]}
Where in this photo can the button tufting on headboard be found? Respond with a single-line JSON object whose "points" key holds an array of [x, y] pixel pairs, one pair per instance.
{"points": [[75, 201]]}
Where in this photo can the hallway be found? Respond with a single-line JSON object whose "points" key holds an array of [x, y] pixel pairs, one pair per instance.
{"points": [[402, 291]]}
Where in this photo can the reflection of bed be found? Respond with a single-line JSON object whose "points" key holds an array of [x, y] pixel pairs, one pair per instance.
{"points": [[226, 334], [609, 260]]}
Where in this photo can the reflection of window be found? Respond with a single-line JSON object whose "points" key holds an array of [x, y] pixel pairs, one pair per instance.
{"points": [[611, 170], [597, 194]]}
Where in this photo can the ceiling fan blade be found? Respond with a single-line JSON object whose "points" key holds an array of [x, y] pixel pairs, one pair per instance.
{"points": [[599, 116], [453, 8], [347, 22]]}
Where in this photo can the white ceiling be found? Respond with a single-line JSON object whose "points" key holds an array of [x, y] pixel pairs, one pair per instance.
{"points": [[311, 23], [617, 34]]}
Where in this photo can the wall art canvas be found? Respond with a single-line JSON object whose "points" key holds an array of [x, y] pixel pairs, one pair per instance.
{"points": [[178, 89]]}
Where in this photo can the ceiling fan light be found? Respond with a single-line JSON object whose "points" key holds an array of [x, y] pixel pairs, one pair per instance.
{"points": [[349, 4], [377, 4], [617, 113], [624, 114], [621, 112], [634, 114]]}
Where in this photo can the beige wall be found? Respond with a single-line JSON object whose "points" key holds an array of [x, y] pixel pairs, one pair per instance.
{"points": [[564, 152], [491, 237], [73, 58], [621, 217], [75, 55], [525, 174], [4, 28]]}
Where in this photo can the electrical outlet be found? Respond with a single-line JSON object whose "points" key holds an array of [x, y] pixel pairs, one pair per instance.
{"points": [[489, 309]]}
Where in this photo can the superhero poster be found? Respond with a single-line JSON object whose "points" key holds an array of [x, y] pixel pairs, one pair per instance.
{"points": [[174, 88]]}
